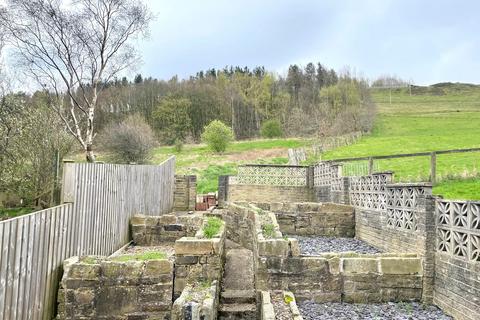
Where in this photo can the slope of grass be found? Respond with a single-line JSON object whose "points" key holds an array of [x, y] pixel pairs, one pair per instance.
{"points": [[426, 122], [208, 166]]}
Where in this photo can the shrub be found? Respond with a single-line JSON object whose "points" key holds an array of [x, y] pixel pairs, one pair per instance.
{"points": [[129, 141], [217, 136], [178, 145], [271, 129]]}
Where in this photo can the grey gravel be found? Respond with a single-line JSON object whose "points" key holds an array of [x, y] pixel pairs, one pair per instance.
{"points": [[282, 310], [316, 245], [396, 311]]}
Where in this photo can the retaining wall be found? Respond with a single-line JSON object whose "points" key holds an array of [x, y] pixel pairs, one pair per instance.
{"points": [[311, 218], [152, 231], [95, 288], [198, 259]]}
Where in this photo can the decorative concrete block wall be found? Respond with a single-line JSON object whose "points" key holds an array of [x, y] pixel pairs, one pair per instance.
{"points": [[185, 193], [267, 183], [311, 218], [457, 258], [151, 231], [98, 288]]}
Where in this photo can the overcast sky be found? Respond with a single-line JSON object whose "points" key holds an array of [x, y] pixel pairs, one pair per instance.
{"points": [[426, 41]]}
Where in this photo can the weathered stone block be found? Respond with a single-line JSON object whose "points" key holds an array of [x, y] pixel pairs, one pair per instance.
{"points": [[173, 227], [360, 265], [167, 219], [186, 259], [401, 265], [273, 247], [189, 245], [122, 271], [154, 268], [84, 271]]}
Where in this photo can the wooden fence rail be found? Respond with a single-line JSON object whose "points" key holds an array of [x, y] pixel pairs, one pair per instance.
{"points": [[100, 199], [432, 155]]}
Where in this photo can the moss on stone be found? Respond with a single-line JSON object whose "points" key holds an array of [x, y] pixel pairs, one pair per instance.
{"points": [[151, 255]]}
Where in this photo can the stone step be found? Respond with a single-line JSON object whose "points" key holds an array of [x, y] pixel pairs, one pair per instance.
{"points": [[239, 273], [237, 296], [245, 311]]}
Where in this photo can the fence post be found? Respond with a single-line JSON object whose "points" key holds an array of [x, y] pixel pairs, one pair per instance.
{"points": [[370, 166], [433, 167], [68, 182]]}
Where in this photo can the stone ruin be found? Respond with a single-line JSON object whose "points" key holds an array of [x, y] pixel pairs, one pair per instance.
{"points": [[346, 242]]}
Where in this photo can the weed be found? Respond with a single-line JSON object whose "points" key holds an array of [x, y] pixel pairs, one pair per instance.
{"points": [[212, 227], [268, 230]]}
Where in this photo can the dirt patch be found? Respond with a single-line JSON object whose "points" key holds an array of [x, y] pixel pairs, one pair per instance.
{"points": [[252, 155]]}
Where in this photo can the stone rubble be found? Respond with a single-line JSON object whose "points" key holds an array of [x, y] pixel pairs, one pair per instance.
{"points": [[394, 311], [316, 245]]}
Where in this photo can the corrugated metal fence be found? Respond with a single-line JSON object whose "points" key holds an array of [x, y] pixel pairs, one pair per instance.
{"points": [[99, 200]]}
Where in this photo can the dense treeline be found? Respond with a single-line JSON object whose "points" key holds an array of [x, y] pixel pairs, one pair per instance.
{"points": [[308, 101]]}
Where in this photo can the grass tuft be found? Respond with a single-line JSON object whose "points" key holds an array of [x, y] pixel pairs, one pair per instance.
{"points": [[268, 230], [212, 227], [150, 255]]}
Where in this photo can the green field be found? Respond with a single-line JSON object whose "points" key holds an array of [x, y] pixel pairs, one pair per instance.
{"points": [[439, 117], [199, 160], [442, 118]]}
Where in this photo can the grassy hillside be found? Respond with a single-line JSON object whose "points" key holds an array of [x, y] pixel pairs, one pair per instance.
{"points": [[444, 116]]}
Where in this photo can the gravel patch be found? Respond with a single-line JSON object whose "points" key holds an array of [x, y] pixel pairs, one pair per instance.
{"points": [[316, 245], [282, 310], [390, 310]]}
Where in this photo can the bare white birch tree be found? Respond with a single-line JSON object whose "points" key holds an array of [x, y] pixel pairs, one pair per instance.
{"points": [[72, 49]]}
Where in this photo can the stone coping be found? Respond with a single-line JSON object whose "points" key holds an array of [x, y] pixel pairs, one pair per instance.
{"points": [[199, 245], [409, 184], [368, 264]]}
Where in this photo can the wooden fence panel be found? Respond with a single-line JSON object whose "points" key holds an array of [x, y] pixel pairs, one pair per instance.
{"points": [[102, 199]]}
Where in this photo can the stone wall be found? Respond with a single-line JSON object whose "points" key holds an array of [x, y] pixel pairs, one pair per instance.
{"points": [[311, 218], [240, 225], [152, 231], [350, 278], [400, 220], [198, 259], [457, 258], [265, 193], [336, 277], [98, 288], [197, 302], [185, 193]]}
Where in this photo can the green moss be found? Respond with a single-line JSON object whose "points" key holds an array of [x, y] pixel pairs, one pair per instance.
{"points": [[212, 227], [268, 230], [89, 260], [150, 255]]}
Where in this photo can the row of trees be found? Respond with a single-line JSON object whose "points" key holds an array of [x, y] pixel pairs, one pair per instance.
{"points": [[76, 52], [310, 100]]}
